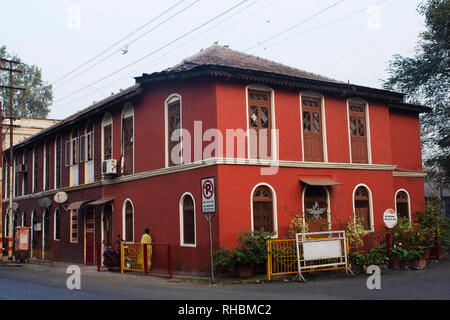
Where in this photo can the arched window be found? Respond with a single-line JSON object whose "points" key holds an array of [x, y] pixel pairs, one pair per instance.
{"points": [[362, 207], [187, 220], [24, 219], [263, 209], [129, 225], [57, 225], [402, 204], [173, 119], [46, 235]]}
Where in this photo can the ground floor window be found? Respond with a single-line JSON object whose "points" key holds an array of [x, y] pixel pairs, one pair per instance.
{"points": [[57, 225], [362, 207], [402, 204], [188, 220], [263, 209], [129, 234]]}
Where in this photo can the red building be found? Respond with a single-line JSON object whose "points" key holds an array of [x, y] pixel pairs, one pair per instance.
{"points": [[277, 140]]}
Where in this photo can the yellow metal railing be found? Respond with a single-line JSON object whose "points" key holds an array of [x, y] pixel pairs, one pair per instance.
{"points": [[282, 258], [132, 257]]}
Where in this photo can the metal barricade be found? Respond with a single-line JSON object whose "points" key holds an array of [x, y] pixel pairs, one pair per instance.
{"points": [[282, 257]]}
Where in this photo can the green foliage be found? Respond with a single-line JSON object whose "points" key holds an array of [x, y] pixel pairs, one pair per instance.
{"points": [[425, 78], [415, 255], [400, 254], [297, 225], [403, 225], [377, 256], [251, 250], [432, 220], [357, 258], [35, 100], [355, 232]]}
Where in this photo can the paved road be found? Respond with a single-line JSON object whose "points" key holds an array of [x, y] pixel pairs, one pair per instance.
{"points": [[32, 282]]}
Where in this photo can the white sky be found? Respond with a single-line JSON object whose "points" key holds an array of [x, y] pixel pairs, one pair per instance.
{"points": [[59, 36]]}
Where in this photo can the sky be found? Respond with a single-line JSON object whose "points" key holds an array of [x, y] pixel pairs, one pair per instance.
{"points": [[88, 50]]}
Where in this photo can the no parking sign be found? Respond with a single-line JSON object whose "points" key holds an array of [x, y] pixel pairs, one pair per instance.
{"points": [[208, 188]]}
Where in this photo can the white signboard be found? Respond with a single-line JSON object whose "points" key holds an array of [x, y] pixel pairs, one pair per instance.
{"points": [[321, 249], [208, 189], [390, 218]]}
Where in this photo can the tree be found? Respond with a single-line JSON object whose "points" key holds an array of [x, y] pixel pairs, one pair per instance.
{"points": [[35, 100], [425, 78]]}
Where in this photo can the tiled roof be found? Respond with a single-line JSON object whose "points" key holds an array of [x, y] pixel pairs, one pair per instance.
{"points": [[221, 56]]}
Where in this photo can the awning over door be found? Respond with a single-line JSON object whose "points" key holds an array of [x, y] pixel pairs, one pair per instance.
{"points": [[77, 204], [101, 201], [319, 181]]}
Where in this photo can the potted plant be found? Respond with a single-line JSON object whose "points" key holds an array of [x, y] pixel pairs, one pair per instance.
{"points": [[416, 257], [378, 256], [357, 261], [400, 257]]}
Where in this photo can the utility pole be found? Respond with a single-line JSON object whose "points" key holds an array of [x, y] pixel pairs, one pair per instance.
{"points": [[11, 166]]}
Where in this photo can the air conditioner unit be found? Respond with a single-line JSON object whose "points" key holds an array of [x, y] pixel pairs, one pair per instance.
{"points": [[21, 168], [109, 167]]}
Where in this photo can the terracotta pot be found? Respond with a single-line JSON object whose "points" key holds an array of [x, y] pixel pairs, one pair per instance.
{"points": [[420, 264], [244, 270], [399, 265]]}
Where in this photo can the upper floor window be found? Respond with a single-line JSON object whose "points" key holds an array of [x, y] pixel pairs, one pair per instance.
{"points": [[75, 148], [90, 142], [58, 155], [312, 129], [127, 139], [47, 166], [35, 171], [260, 124], [25, 174], [174, 133], [358, 132], [107, 137]]}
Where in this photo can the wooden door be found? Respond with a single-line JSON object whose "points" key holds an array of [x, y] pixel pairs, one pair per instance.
{"points": [[312, 129], [89, 236], [358, 133], [260, 124], [128, 145]]}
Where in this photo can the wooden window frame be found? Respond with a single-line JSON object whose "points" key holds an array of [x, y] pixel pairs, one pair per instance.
{"points": [[183, 223], [256, 200], [357, 110], [74, 227], [369, 205], [311, 135], [258, 129]]}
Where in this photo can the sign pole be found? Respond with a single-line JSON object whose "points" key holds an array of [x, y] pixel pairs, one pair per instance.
{"points": [[209, 208], [209, 218]]}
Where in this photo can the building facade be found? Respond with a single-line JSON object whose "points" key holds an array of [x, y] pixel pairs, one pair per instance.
{"points": [[277, 140]]}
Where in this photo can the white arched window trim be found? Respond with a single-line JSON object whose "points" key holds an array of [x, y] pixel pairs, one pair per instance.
{"points": [[372, 227], [181, 211], [409, 202], [328, 205], [124, 206], [369, 145], [170, 99], [274, 206]]}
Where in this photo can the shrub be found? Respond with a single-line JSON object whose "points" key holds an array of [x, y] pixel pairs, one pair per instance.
{"points": [[355, 232], [357, 258], [432, 220], [378, 256], [297, 225]]}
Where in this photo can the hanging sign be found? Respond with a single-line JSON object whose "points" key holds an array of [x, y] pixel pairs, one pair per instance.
{"points": [[390, 218], [208, 189]]}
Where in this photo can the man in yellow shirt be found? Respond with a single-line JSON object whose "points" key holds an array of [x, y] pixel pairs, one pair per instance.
{"points": [[146, 239]]}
